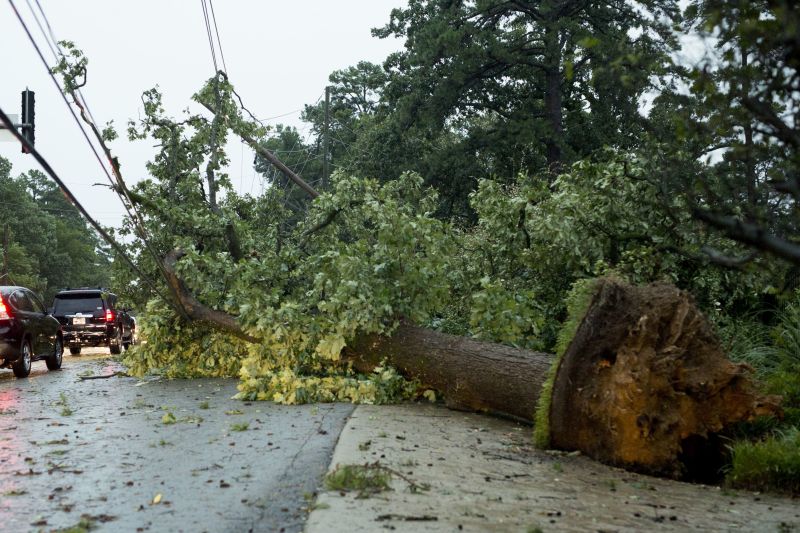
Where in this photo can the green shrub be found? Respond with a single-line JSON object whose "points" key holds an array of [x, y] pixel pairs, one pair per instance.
{"points": [[770, 464]]}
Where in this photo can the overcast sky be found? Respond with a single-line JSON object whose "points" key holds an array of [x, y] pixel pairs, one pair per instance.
{"points": [[279, 55]]}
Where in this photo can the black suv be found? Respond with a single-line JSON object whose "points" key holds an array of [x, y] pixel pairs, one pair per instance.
{"points": [[90, 318], [27, 332]]}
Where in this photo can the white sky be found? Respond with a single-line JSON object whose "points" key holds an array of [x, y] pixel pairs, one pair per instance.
{"points": [[279, 55]]}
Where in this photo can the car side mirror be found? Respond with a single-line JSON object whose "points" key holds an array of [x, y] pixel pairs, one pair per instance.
{"points": [[50, 310]]}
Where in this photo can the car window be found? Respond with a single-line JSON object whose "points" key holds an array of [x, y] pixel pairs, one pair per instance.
{"points": [[66, 304], [36, 303], [20, 302]]}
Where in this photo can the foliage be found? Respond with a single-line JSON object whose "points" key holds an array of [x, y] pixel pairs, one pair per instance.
{"points": [[767, 454], [319, 281], [729, 146], [532, 242], [364, 479], [50, 245], [180, 349], [771, 464]]}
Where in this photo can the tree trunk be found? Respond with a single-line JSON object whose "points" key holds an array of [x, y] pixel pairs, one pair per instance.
{"points": [[552, 98], [471, 375]]}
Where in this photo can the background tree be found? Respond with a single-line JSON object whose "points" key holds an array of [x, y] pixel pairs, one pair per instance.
{"points": [[51, 246]]}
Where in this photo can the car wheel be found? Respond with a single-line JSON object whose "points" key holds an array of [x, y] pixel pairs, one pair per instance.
{"points": [[23, 365], [75, 350], [54, 360], [116, 345]]}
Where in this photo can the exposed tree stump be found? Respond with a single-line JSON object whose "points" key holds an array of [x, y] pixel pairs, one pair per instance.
{"points": [[643, 383], [472, 375]]}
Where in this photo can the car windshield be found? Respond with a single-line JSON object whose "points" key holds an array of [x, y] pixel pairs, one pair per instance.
{"points": [[78, 303]]}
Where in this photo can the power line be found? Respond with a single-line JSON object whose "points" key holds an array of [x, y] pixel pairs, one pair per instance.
{"points": [[64, 98], [210, 38], [216, 30], [50, 44], [74, 201], [80, 101]]}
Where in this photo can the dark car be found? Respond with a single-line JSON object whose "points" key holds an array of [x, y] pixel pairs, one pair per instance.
{"points": [[89, 317], [27, 332]]}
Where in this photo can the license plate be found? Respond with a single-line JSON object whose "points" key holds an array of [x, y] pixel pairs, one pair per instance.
{"points": [[78, 321]]}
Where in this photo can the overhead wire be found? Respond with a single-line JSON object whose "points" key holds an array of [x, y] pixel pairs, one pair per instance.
{"points": [[210, 38], [129, 206], [216, 30], [74, 201], [66, 102]]}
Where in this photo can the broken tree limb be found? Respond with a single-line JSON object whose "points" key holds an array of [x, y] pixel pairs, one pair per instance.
{"points": [[105, 376], [196, 310]]}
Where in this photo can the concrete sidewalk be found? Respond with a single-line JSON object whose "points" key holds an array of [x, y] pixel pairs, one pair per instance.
{"points": [[484, 475]]}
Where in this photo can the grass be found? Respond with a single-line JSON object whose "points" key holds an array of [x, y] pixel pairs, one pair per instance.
{"points": [[578, 302], [240, 427], [747, 340], [83, 526], [65, 409], [771, 464], [766, 455], [365, 479]]}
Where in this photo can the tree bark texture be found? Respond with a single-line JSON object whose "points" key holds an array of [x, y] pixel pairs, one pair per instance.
{"points": [[472, 375]]}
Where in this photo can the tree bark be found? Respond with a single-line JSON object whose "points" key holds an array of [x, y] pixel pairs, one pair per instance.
{"points": [[472, 375], [552, 97], [194, 309]]}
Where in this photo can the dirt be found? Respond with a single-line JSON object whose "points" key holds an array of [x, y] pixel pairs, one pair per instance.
{"points": [[646, 384]]}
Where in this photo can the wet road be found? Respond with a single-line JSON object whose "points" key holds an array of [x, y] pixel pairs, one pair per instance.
{"points": [[154, 455]]}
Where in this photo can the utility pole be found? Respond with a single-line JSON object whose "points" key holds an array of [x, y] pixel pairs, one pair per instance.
{"points": [[4, 277], [325, 156]]}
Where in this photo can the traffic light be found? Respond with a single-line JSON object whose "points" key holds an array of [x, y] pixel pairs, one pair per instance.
{"points": [[28, 118]]}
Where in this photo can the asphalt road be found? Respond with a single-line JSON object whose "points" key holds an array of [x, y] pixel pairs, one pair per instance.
{"points": [[155, 455]]}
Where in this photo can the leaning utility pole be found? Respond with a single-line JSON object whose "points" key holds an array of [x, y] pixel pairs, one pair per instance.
{"points": [[6, 238], [325, 155]]}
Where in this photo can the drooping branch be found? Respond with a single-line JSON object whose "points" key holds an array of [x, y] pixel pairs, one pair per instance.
{"points": [[751, 234]]}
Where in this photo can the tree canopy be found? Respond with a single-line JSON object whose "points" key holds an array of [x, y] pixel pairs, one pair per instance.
{"points": [[50, 246]]}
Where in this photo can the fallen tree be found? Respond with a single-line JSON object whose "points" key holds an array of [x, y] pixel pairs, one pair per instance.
{"points": [[639, 379]]}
